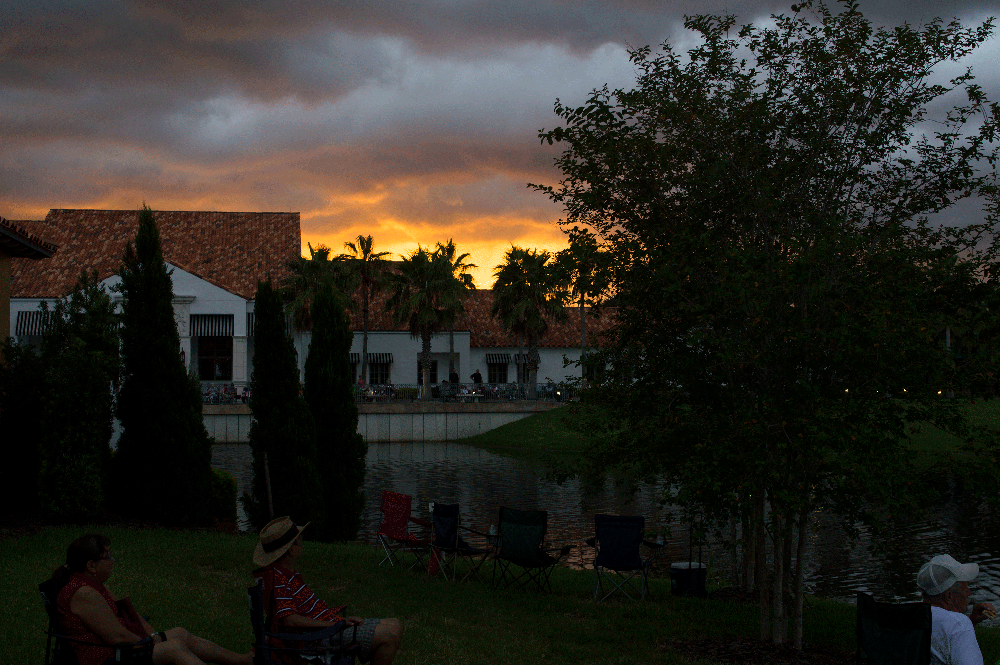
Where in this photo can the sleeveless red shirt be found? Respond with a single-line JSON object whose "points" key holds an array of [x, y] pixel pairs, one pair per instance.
{"points": [[73, 626]]}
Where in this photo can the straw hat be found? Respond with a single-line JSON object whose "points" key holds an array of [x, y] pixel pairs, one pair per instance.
{"points": [[275, 539]]}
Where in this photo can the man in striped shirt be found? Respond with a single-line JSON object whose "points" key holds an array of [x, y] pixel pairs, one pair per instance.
{"points": [[296, 606]]}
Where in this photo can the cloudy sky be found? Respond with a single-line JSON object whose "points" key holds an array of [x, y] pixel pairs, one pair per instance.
{"points": [[414, 121]]}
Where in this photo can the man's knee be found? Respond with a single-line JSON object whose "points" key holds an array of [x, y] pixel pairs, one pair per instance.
{"points": [[393, 630]]}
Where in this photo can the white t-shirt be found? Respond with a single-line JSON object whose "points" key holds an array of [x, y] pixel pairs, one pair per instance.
{"points": [[953, 638]]}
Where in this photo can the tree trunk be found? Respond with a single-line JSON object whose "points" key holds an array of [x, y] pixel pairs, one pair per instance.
{"points": [[760, 565], [425, 366], [800, 555], [749, 551], [777, 597], [583, 338], [451, 352], [364, 335]]}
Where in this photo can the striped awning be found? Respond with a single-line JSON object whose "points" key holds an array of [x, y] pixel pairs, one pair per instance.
{"points": [[251, 321], [30, 323], [521, 358], [380, 358], [211, 325], [497, 358]]}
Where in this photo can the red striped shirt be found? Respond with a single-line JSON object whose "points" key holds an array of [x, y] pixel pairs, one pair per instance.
{"points": [[293, 596]]}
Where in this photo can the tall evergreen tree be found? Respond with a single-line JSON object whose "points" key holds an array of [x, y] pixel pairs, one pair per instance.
{"points": [[20, 415], [164, 454], [341, 451], [283, 427], [80, 360]]}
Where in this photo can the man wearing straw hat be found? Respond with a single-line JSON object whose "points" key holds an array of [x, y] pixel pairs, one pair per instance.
{"points": [[296, 606], [944, 584]]}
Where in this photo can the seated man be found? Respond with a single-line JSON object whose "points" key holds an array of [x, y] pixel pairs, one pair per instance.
{"points": [[944, 584], [296, 606]]}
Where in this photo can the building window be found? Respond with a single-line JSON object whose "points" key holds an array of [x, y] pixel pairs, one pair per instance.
{"points": [[434, 372], [215, 358], [378, 374], [496, 373]]}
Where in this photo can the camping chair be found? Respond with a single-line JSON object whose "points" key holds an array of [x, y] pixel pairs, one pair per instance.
{"points": [[891, 634], [293, 647], [59, 648], [519, 555], [393, 533], [618, 540], [446, 519]]}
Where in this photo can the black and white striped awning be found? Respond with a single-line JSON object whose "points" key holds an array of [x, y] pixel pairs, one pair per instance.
{"points": [[497, 358], [373, 358], [251, 322], [30, 323], [521, 358], [211, 325]]}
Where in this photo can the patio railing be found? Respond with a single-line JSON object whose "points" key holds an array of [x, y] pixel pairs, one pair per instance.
{"points": [[462, 392]]}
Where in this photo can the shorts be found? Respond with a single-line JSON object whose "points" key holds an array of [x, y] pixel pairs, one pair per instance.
{"points": [[365, 635]]}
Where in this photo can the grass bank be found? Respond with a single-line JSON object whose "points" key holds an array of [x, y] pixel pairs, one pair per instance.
{"points": [[198, 580], [535, 438]]}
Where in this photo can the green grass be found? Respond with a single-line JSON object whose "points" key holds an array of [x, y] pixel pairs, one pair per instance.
{"points": [[535, 438], [198, 580]]}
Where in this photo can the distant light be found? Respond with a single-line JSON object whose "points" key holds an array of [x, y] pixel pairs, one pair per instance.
{"points": [[939, 392]]}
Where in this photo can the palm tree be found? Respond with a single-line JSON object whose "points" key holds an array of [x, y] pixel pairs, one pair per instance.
{"points": [[418, 297], [527, 288], [300, 287], [581, 267], [368, 269], [463, 283]]}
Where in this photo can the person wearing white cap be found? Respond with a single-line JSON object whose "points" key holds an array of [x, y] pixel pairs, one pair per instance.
{"points": [[296, 606], [944, 584]]}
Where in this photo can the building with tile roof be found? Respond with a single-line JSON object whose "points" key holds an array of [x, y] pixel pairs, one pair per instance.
{"points": [[217, 259], [16, 241]]}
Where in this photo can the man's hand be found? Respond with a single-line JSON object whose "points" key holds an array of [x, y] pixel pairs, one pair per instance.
{"points": [[357, 621], [982, 611]]}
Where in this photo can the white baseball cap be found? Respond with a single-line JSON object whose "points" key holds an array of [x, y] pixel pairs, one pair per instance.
{"points": [[940, 573]]}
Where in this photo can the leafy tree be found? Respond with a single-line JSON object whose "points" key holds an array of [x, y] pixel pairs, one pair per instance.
{"points": [[454, 296], [368, 269], [164, 453], [341, 450], [283, 431], [768, 201], [80, 360], [419, 297], [526, 291]]}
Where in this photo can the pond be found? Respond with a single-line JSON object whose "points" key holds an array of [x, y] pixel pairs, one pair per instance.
{"points": [[481, 482]]}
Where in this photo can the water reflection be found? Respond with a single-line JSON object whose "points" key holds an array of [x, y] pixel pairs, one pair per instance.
{"points": [[481, 482]]}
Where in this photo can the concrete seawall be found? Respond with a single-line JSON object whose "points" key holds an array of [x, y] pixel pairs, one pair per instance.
{"points": [[407, 421]]}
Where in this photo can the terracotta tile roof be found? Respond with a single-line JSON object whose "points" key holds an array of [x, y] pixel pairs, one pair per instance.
{"points": [[16, 241], [485, 332], [229, 249]]}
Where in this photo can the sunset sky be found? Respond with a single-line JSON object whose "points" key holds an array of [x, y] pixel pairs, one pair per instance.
{"points": [[414, 122]]}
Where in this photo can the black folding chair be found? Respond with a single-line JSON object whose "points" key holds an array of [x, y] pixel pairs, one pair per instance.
{"points": [[59, 647], [893, 634], [447, 524], [294, 647], [619, 562], [519, 556]]}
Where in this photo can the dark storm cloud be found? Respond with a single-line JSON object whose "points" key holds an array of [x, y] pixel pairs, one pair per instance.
{"points": [[415, 120]]}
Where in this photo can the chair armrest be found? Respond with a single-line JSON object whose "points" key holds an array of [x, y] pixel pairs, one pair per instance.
{"points": [[421, 522]]}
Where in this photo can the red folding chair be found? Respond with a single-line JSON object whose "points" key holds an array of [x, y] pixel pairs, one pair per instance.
{"points": [[394, 535]]}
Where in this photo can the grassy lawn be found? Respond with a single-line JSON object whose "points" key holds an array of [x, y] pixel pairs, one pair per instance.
{"points": [[198, 580], [534, 438]]}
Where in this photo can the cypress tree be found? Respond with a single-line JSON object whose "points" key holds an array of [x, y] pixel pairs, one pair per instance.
{"points": [[282, 424], [80, 357], [163, 465], [341, 451]]}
